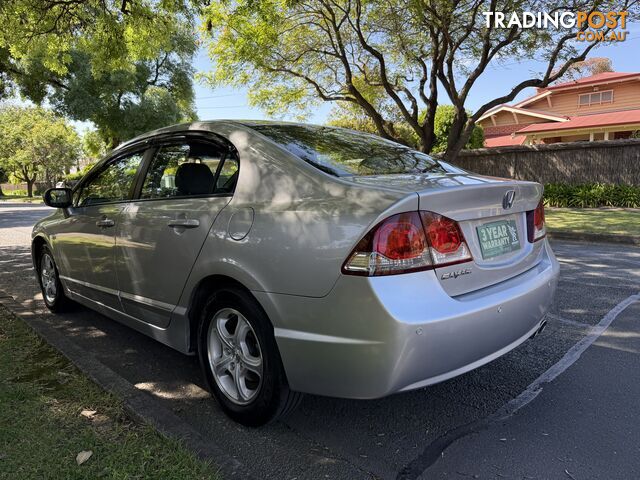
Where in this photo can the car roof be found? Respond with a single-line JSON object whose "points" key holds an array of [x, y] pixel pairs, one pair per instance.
{"points": [[204, 125]]}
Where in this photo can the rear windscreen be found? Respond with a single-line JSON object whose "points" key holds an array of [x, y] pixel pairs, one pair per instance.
{"points": [[343, 152]]}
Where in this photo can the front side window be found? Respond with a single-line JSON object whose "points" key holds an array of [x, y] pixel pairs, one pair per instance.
{"points": [[112, 184], [185, 170], [343, 152]]}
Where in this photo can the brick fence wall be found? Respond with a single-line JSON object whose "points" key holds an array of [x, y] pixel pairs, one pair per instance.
{"points": [[614, 162]]}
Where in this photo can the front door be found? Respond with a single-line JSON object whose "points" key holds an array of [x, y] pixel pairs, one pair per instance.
{"points": [[85, 242], [160, 234]]}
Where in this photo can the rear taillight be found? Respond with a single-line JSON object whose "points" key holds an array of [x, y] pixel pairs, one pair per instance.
{"points": [[445, 239], [396, 245], [408, 242], [535, 223]]}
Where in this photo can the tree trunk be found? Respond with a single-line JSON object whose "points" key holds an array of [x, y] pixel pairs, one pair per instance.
{"points": [[30, 187], [113, 143], [456, 141], [453, 150], [427, 136]]}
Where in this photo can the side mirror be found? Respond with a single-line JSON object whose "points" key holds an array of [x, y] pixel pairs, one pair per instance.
{"points": [[57, 197]]}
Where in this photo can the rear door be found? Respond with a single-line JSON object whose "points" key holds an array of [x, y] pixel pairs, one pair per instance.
{"points": [[187, 182]]}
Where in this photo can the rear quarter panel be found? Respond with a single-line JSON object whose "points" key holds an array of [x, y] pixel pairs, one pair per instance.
{"points": [[305, 222]]}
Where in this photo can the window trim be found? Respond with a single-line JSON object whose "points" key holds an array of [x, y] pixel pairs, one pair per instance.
{"points": [[178, 139], [589, 94]]}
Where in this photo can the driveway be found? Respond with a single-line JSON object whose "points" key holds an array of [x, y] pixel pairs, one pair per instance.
{"points": [[583, 424]]}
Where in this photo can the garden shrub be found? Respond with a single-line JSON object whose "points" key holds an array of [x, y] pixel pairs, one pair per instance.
{"points": [[592, 195]]}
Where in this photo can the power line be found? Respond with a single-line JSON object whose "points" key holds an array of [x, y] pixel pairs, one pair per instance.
{"points": [[222, 106], [217, 96]]}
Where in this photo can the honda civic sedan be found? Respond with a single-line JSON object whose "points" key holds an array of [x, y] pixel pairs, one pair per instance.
{"points": [[296, 259]]}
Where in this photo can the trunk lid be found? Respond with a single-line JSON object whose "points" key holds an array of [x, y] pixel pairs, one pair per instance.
{"points": [[478, 204]]}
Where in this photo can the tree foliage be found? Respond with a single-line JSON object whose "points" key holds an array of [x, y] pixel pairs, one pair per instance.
{"points": [[124, 65], [36, 145], [93, 145], [588, 67], [442, 123], [3, 178], [354, 119], [385, 58]]}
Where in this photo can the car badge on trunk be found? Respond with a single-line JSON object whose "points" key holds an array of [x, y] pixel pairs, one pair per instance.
{"points": [[507, 200]]}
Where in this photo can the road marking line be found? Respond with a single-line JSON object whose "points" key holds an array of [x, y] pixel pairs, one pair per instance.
{"points": [[565, 362], [430, 455]]}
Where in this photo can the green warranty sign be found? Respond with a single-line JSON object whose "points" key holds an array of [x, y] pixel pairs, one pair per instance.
{"points": [[498, 238]]}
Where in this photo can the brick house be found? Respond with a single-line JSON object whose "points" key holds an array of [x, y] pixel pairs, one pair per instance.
{"points": [[600, 107]]}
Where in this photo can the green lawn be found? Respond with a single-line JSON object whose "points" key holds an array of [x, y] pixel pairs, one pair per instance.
{"points": [[21, 198], [50, 412], [591, 220]]}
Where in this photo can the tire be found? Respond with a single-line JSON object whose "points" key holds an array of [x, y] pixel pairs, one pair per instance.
{"points": [[249, 383], [52, 290]]}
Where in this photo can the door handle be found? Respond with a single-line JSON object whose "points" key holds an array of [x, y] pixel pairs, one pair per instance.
{"points": [[184, 223], [105, 223]]}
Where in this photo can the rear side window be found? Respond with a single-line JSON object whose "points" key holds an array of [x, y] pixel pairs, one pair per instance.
{"points": [[343, 152], [111, 184], [188, 169]]}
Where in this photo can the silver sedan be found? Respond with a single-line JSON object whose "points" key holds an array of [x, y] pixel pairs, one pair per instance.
{"points": [[296, 258]]}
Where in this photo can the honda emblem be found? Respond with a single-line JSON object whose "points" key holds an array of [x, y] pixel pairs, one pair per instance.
{"points": [[507, 200]]}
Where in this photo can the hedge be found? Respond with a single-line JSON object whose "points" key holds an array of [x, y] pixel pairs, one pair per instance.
{"points": [[591, 195]]}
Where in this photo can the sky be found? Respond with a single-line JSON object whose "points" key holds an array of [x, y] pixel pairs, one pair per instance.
{"points": [[228, 103], [498, 79]]}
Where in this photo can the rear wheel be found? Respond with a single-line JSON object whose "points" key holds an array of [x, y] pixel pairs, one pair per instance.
{"points": [[52, 291], [240, 359]]}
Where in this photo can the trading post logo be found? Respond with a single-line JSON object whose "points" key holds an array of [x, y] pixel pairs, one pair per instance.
{"points": [[591, 26]]}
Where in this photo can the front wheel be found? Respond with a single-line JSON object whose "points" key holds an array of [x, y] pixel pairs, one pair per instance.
{"points": [[240, 359], [52, 291]]}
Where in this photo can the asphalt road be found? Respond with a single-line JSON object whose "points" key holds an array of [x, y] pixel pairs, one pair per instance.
{"points": [[585, 424]]}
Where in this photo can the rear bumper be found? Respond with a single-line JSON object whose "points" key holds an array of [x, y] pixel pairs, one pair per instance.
{"points": [[371, 337]]}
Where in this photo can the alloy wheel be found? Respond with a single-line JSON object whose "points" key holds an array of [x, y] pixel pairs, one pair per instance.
{"points": [[48, 278], [235, 356]]}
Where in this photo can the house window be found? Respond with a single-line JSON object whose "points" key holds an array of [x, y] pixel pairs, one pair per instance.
{"points": [[595, 98]]}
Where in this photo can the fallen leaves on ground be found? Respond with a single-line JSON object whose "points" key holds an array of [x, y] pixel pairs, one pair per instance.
{"points": [[83, 456]]}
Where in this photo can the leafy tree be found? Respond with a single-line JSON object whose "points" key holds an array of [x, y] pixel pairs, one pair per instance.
{"points": [[125, 102], [3, 178], [36, 144], [445, 116], [588, 67], [376, 55], [93, 146], [353, 117], [124, 65]]}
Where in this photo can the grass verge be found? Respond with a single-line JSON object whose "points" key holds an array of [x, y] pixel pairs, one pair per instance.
{"points": [[21, 199], [50, 412], [592, 220]]}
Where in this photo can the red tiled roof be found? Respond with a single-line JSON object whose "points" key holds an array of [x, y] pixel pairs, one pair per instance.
{"points": [[585, 121], [504, 140], [593, 79], [598, 78]]}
